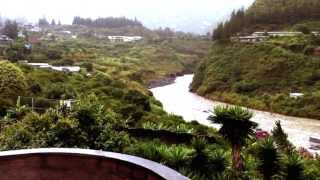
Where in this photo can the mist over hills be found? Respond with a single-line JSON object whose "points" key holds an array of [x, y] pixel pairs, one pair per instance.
{"points": [[191, 16]]}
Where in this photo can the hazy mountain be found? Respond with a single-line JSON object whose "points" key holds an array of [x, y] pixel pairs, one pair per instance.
{"points": [[190, 16]]}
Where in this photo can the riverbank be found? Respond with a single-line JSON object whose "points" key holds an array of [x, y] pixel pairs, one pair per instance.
{"points": [[262, 76], [177, 99], [167, 80], [255, 103]]}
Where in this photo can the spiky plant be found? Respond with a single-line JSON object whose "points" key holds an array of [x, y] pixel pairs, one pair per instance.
{"points": [[236, 128], [176, 156], [268, 158], [293, 167]]}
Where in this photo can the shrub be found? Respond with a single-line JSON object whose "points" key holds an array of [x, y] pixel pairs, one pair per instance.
{"points": [[246, 86]]}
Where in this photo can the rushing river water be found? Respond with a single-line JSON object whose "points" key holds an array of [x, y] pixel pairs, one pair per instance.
{"points": [[177, 99]]}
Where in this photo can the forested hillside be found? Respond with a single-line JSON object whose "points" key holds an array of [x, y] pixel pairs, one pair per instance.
{"points": [[262, 75], [266, 15], [109, 22]]}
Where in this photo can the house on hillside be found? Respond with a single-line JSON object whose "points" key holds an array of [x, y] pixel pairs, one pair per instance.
{"points": [[282, 33], [296, 95], [4, 39], [115, 39], [277, 34], [262, 36], [248, 39], [47, 66]]}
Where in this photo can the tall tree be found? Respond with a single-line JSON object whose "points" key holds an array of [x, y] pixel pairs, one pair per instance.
{"points": [[236, 128], [1, 21], [12, 82], [11, 29], [280, 137], [53, 22], [43, 22]]}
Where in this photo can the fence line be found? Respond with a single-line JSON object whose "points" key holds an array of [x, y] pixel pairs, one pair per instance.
{"points": [[39, 103]]}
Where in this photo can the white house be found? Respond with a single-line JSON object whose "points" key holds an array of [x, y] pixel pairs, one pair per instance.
{"points": [[251, 39], [4, 39], [125, 38], [55, 68], [296, 95], [282, 33]]}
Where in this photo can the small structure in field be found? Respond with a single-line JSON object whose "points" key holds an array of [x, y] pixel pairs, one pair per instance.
{"points": [[53, 68], [249, 39], [296, 95], [262, 36], [278, 33], [4, 39], [115, 39]]}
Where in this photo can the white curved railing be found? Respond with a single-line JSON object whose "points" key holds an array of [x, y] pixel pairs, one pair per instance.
{"points": [[158, 169]]}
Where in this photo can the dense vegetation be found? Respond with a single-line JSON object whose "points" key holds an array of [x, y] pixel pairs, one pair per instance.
{"points": [[267, 15], [262, 75], [107, 110], [112, 109], [109, 22]]}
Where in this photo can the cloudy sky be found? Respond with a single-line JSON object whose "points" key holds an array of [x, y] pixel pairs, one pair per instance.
{"points": [[187, 15]]}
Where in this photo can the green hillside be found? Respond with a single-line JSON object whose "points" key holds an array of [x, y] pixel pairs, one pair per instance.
{"points": [[262, 75], [268, 15]]}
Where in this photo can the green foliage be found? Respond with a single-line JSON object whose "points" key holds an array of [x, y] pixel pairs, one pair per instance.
{"points": [[267, 15], [208, 162], [236, 124], [12, 81], [184, 128], [269, 159], [293, 167], [280, 137], [261, 76], [304, 29], [11, 29], [16, 51], [236, 128], [245, 86], [176, 156]]}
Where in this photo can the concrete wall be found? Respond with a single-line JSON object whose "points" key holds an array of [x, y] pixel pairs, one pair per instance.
{"points": [[72, 166]]}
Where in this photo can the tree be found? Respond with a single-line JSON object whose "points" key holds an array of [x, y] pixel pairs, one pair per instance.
{"points": [[218, 32], [268, 158], [53, 22], [43, 22], [304, 29], [16, 51], [12, 83], [280, 137], [11, 29], [1, 21], [236, 128]]}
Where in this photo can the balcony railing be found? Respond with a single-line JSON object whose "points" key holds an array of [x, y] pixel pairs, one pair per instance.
{"points": [[80, 164]]}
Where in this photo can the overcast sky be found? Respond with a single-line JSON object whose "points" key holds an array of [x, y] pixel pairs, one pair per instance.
{"points": [[179, 14]]}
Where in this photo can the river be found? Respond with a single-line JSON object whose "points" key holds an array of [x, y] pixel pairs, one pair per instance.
{"points": [[177, 99]]}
